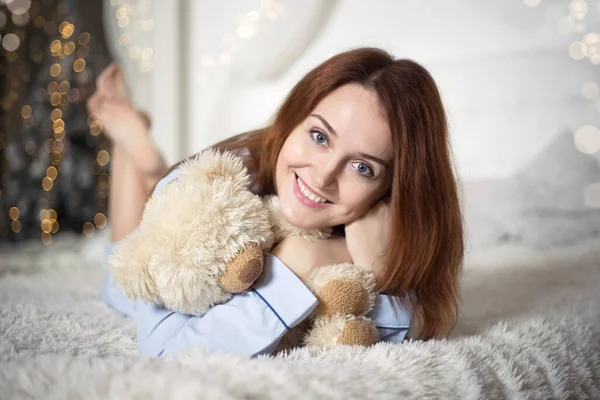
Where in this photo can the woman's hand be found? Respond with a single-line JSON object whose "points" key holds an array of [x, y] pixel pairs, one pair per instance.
{"points": [[302, 255], [367, 237]]}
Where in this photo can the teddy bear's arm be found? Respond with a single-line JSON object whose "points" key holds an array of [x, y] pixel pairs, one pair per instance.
{"points": [[346, 294]]}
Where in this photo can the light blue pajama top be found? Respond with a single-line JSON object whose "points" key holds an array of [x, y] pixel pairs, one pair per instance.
{"points": [[248, 324]]}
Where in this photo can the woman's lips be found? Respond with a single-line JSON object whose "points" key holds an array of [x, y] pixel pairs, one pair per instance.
{"points": [[305, 200]]}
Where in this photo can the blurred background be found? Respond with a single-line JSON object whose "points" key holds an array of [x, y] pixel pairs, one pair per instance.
{"points": [[519, 79]]}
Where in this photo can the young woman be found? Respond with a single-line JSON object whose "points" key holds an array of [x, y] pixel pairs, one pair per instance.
{"points": [[361, 145]]}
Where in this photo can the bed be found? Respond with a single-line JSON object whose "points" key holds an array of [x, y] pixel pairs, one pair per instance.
{"points": [[528, 329]]}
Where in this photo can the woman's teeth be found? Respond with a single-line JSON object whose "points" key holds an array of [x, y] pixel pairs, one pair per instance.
{"points": [[311, 196]]}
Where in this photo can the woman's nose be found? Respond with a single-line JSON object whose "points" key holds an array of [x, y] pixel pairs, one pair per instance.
{"points": [[324, 175]]}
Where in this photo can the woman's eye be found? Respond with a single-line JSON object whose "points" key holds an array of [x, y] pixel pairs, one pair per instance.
{"points": [[363, 169], [318, 137]]}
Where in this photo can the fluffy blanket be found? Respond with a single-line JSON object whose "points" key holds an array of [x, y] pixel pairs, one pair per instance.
{"points": [[528, 329]]}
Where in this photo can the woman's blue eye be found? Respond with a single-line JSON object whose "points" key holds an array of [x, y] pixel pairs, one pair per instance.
{"points": [[363, 169], [319, 137]]}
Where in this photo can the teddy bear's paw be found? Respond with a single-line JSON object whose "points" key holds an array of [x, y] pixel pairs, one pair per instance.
{"points": [[341, 330], [342, 289], [243, 270]]}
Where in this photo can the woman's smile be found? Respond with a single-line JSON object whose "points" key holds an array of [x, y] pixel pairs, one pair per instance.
{"points": [[307, 196]]}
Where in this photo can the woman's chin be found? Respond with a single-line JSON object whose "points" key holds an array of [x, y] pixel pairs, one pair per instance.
{"points": [[300, 221]]}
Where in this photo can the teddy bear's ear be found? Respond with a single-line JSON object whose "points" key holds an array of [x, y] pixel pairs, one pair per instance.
{"points": [[212, 165], [129, 266], [282, 229]]}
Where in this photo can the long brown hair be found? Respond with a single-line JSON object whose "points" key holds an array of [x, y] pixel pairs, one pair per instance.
{"points": [[425, 253]]}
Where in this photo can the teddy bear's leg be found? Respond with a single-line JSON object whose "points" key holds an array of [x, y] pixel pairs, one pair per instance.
{"points": [[243, 270], [342, 289], [341, 330]]}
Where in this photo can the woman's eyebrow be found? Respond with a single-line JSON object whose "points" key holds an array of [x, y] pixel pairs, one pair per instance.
{"points": [[324, 121], [373, 158], [330, 129]]}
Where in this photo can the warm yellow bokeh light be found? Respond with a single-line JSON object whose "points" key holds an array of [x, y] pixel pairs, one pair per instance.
{"points": [[55, 46], [26, 111], [88, 229], [67, 31], [15, 226], [100, 220], [52, 87], [96, 128], [55, 69], [52, 173], [47, 184], [46, 238], [102, 158], [58, 126], [54, 227], [79, 65], [69, 48], [46, 226], [14, 213], [64, 87], [55, 99], [59, 136], [56, 114]]}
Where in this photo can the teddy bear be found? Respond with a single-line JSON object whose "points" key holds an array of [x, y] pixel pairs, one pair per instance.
{"points": [[203, 238]]}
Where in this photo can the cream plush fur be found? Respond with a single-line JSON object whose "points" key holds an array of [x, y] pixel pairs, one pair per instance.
{"points": [[196, 229], [190, 230]]}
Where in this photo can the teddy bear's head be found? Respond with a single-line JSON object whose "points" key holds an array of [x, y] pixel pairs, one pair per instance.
{"points": [[191, 229]]}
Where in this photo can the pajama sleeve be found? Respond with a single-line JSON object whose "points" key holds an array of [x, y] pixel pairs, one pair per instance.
{"points": [[248, 324], [391, 325]]}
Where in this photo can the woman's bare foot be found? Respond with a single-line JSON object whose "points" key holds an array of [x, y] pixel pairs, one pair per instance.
{"points": [[123, 124], [111, 82]]}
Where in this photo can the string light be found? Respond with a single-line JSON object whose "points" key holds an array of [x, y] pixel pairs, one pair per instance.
{"points": [[60, 94]]}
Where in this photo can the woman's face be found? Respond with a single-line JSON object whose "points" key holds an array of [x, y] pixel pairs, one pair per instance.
{"points": [[337, 163]]}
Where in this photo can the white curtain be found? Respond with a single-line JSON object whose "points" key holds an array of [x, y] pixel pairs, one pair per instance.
{"points": [[129, 27]]}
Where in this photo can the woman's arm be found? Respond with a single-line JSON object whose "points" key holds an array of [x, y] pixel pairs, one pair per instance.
{"points": [[249, 324], [302, 255]]}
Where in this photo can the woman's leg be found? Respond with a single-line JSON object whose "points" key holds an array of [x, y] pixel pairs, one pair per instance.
{"points": [[136, 164], [127, 194]]}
